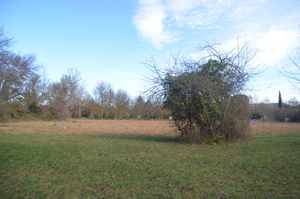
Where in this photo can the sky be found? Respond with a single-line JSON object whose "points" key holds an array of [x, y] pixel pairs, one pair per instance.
{"points": [[109, 40]]}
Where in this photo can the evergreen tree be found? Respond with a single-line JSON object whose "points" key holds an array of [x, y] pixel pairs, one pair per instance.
{"points": [[280, 101]]}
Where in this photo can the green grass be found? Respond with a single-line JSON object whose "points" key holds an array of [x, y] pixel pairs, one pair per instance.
{"points": [[69, 166]]}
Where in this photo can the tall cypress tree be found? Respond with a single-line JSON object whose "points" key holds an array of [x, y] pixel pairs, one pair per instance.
{"points": [[280, 101]]}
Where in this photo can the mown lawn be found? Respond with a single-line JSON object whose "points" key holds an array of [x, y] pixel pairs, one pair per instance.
{"points": [[70, 166]]}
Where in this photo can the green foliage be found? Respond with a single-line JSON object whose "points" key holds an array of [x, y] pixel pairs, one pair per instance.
{"points": [[16, 110], [214, 140], [193, 97], [33, 108], [203, 106], [48, 115]]}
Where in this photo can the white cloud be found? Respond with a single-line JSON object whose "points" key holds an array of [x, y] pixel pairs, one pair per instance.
{"points": [[275, 43], [149, 21], [153, 16]]}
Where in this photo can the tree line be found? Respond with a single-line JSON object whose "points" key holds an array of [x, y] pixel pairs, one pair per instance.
{"points": [[25, 89], [281, 111]]}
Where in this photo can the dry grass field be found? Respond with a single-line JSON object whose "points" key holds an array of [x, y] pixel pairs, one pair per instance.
{"points": [[128, 127], [275, 128], [93, 127]]}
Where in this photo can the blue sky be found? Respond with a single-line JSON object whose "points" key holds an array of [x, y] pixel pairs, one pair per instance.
{"points": [[108, 40]]}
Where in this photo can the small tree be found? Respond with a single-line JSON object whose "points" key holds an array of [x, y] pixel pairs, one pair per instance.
{"points": [[279, 100], [204, 96]]}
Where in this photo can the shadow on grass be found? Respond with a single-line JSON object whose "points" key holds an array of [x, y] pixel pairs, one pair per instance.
{"points": [[143, 138]]}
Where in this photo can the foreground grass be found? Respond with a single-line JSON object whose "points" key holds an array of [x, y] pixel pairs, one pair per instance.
{"points": [[69, 166]]}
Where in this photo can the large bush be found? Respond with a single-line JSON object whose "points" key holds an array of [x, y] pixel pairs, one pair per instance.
{"points": [[201, 107], [204, 96]]}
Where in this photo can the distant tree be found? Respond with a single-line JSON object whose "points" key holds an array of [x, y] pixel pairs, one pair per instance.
{"points": [[293, 102], [148, 110], [253, 99], [35, 90], [139, 107], [101, 95], [160, 112], [121, 103], [58, 92], [83, 109], [279, 100], [266, 100], [111, 101], [69, 90], [75, 87]]}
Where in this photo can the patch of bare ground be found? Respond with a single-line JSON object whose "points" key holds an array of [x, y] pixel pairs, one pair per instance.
{"points": [[128, 127]]}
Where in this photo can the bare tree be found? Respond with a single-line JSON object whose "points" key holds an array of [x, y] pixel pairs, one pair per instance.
{"points": [[293, 102], [160, 111], [36, 89], [15, 69], [121, 103], [112, 109], [69, 90], [58, 91], [105, 95], [72, 88], [31, 89], [204, 95], [102, 97]]}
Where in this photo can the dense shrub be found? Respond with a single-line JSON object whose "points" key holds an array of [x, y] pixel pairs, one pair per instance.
{"points": [[279, 114], [48, 114], [203, 109], [33, 108], [4, 112], [295, 117], [60, 109], [16, 110]]}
